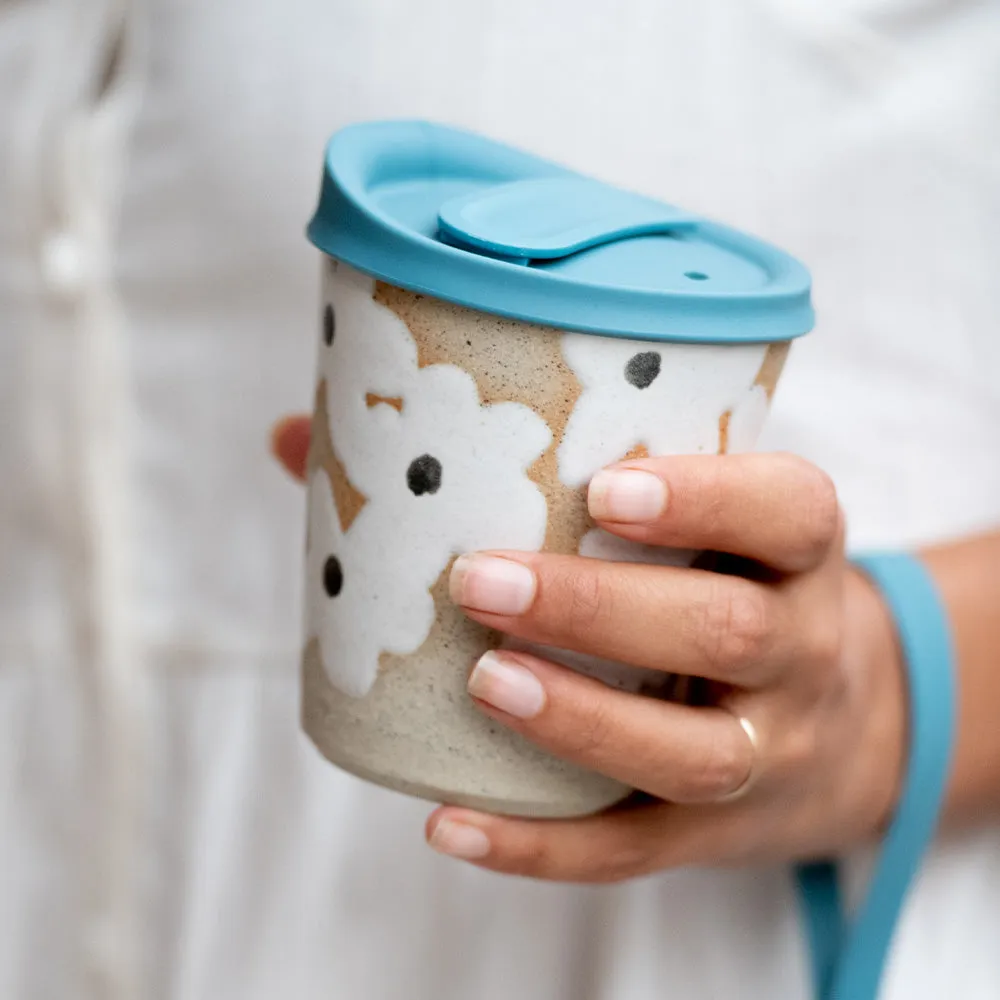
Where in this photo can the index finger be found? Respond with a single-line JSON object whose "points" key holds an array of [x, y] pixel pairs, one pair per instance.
{"points": [[290, 444]]}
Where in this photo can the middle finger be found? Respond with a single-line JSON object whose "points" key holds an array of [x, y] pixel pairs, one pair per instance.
{"points": [[683, 621]]}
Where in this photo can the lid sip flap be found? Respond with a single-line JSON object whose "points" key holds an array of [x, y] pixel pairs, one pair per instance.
{"points": [[553, 217], [462, 218]]}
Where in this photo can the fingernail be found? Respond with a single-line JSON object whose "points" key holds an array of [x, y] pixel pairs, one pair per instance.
{"points": [[627, 496], [486, 583], [506, 684], [459, 840]]}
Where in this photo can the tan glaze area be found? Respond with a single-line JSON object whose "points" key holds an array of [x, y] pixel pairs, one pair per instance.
{"points": [[396, 402], [513, 362], [772, 366], [347, 499], [767, 377], [724, 431], [639, 451]]}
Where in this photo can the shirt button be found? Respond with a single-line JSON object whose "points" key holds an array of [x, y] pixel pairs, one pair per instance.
{"points": [[64, 264]]}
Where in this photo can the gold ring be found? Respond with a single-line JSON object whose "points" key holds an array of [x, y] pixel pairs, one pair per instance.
{"points": [[748, 727]]}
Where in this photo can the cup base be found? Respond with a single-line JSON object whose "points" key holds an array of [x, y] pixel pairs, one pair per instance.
{"points": [[419, 733], [523, 808]]}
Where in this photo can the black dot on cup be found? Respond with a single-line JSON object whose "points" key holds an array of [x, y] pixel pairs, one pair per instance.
{"points": [[329, 325], [696, 275], [424, 475], [641, 369], [333, 576]]}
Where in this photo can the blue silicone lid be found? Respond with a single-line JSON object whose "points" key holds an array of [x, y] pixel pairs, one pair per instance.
{"points": [[460, 217]]}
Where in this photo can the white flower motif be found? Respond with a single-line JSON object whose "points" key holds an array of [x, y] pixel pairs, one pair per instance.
{"points": [[366, 351], [355, 610], [667, 397], [441, 473], [449, 472]]}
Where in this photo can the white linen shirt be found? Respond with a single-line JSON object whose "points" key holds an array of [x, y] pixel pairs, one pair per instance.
{"points": [[166, 831]]}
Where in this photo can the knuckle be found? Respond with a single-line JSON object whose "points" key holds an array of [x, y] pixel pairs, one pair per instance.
{"points": [[589, 602], [737, 631], [621, 864], [531, 855], [717, 773], [591, 733], [706, 488]]}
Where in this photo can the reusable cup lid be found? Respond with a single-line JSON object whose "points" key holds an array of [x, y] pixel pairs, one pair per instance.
{"points": [[460, 217]]}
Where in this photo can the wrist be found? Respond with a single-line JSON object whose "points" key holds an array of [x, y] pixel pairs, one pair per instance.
{"points": [[874, 657], [967, 577]]}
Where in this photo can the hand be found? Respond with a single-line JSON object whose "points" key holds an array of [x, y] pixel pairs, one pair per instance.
{"points": [[797, 644]]}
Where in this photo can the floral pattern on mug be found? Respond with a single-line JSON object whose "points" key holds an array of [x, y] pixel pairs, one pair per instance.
{"points": [[347, 600], [441, 474], [367, 358], [667, 398]]}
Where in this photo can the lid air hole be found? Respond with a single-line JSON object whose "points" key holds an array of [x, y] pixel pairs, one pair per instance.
{"points": [[696, 276]]}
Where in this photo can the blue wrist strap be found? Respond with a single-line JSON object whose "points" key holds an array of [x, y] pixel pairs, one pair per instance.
{"points": [[848, 955]]}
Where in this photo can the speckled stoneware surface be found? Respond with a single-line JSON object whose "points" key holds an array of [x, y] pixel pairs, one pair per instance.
{"points": [[440, 430]]}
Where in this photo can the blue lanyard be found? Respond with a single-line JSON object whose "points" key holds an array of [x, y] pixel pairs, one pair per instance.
{"points": [[848, 954]]}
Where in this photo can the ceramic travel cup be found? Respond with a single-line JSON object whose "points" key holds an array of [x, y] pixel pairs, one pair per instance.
{"points": [[494, 329]]}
